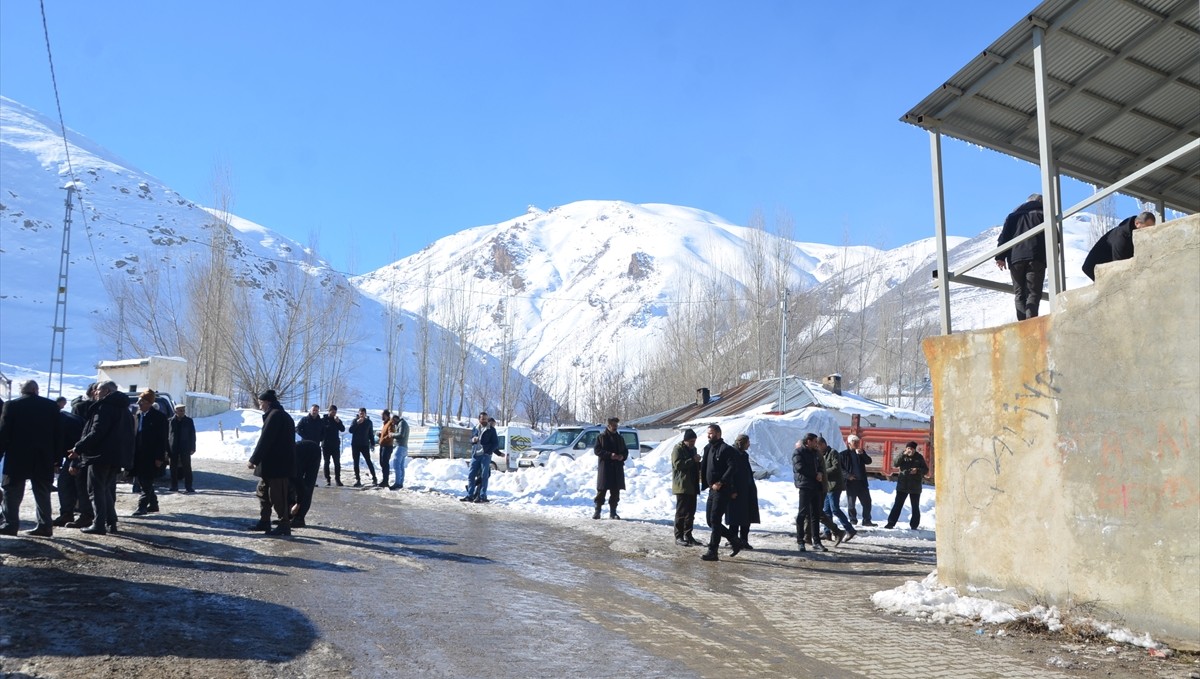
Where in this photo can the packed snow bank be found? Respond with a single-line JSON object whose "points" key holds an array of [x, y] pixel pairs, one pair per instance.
{"points": [[928, 600], [567, 487]]}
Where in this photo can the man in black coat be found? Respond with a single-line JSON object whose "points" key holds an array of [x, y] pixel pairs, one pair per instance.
{"points": [[331, 443], [362, 440], [274, 462], [183, 445], [308, 466], [1025, 261], [152, 444], [854, 461], [719, 473], [72, 495], [809, 479], [310, 428], [612, 452], [1117, 244], [106, 446], [30, 442]]}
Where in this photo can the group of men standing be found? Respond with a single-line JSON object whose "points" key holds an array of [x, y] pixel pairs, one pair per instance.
{"points": [[326, 431], [732, 494], [288, 469], [821, 474], [86, 448]]}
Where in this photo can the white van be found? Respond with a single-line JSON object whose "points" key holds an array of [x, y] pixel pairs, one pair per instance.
{"points": [[513, 442]]}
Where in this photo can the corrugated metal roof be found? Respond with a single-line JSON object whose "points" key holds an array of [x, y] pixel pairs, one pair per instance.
{"points": [[1124, 90], [763, 396]]}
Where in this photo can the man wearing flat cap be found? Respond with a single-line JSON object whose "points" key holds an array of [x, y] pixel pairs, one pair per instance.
{"points": [[610, 470], [274, 462]]}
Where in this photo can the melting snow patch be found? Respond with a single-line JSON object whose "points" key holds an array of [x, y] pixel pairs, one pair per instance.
{"points": [[928, 600]]}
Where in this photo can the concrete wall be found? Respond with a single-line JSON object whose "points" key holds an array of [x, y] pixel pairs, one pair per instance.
{"points": [[1068, 446], [205, 405]]}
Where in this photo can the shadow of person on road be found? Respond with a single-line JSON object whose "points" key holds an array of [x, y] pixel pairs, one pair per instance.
{"points": [[104, 616]]}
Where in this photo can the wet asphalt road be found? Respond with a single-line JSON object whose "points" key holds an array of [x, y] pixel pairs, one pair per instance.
{"points": [[422, 585], [403, 584]]}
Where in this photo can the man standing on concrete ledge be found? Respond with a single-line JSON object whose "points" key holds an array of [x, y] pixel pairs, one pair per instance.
{"points": [[1117, 244], [1025, 261]]}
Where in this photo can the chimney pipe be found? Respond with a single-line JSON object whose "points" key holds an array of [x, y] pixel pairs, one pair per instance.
{"points": [[833, 383], [702, 396]]}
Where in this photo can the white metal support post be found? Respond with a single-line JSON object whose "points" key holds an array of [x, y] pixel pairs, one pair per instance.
{"points": [[939, 225], [1050, 207]]}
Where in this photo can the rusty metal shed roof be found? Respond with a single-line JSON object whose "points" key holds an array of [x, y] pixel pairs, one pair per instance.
{"points": [[1124, 90]]}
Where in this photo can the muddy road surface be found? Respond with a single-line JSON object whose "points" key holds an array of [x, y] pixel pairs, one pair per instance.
{"points": [[417, 584]]}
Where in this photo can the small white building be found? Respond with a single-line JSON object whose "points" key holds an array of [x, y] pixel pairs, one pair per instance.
{"points": [[160, 373]]}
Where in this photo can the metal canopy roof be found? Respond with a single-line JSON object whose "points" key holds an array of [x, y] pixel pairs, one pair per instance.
{"points": [[1123, 90]]}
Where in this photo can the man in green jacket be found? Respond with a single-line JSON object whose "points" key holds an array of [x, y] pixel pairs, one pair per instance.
{"points": [[685, 484]]}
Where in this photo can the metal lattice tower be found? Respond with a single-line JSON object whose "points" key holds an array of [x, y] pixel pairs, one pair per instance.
{"points": [[59, 341]]}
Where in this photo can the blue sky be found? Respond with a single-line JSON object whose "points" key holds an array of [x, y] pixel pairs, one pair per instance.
{"points": [[377, 127]]}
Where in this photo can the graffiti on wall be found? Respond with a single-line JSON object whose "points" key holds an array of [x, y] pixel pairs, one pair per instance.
{"points": [[982, 475]]}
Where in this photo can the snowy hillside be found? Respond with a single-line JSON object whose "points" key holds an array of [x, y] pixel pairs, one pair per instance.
{"points": [[134, 235], [593, 283]]}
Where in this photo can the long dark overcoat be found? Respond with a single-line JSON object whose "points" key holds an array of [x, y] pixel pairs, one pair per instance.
{"points": [[30, 437], [610, 469], [275, 453], [108, 432], [743, 509], [151, 442]]}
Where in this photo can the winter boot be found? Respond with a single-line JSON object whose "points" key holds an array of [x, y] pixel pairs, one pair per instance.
{"points": [[596, 515], [612, 512]]}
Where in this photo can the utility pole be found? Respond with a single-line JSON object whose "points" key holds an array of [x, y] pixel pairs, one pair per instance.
{"points": [[782, 346], [58, 342]]}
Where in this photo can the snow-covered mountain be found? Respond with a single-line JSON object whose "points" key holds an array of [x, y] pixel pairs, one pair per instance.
{"points": [[134, 234], [593, 282]]}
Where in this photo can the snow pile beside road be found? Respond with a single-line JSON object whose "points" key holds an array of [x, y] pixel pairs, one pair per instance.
{"points": [[567, 487], [928, 600]]}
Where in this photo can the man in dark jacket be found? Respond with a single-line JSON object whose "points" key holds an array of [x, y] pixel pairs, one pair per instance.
{"points": [[71, 493], [331, 443], [30, 443], [310, 428], [183, 445], [150, 450], [362, 440], [612, 452], [274, 462], [854, 467], [106, 445], [1117, 244], [685, 484], [719, 473], [308, 466], [809, 478], [912, 469], [1025, 261]]}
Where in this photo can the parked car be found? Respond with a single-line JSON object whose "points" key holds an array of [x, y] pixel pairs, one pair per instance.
{"points": [[571, 442]]}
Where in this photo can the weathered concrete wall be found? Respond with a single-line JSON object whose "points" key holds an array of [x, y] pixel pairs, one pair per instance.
{"points": [[1068, 446]]}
